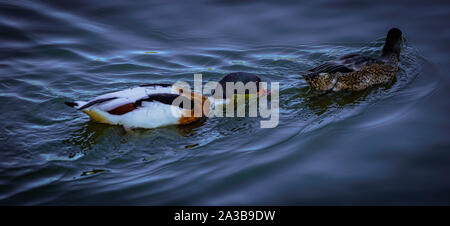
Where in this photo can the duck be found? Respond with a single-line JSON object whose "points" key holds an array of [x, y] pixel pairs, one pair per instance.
{"points": [[152, 105], [355, 72]]}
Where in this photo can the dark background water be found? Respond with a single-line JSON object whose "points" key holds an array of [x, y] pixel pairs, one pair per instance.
{"points": [[385, 145]]}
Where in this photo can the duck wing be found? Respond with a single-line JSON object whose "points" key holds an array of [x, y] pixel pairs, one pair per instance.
{"points": [[164, 98], [331, 67], [156, 85], [110, 101], [356, 62], [96, 101], [345, 64]]}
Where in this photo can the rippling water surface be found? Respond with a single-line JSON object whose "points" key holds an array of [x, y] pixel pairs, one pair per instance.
{"points": [[385, 145]]}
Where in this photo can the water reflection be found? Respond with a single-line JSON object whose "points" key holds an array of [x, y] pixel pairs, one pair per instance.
{"points": [[322, 102], [91, 134], [81, 50]]}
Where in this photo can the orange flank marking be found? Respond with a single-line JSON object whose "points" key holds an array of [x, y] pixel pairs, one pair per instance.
{"points": [[189, 115]]}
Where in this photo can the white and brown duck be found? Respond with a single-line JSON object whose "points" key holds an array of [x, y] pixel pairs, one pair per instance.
{"points": [[151, 105]]}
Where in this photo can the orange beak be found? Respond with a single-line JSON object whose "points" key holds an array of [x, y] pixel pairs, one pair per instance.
{"points": [[262, 91]]}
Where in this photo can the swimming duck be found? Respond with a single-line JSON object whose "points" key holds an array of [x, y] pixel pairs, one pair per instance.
{"points": [[151, 105], [355, 72]]}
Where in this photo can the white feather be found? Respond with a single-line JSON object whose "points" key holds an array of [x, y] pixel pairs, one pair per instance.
{"points": [[128, 96], [148, 115]]}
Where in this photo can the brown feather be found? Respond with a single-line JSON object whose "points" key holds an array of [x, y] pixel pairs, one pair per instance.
{"points": [[122, 109]]}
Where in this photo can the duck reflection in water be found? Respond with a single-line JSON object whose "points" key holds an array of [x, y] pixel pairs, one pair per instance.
{"points": [[320, 102], [92, 134]]}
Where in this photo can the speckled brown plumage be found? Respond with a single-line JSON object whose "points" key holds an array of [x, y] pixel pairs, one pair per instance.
{"points": [[368, 76], [355, 72], [357, 80]]}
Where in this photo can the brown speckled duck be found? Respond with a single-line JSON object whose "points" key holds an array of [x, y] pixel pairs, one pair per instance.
{"points": [[355, 72]]}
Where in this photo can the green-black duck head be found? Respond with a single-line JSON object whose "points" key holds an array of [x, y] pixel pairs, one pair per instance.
{"points": [[393, 43]]}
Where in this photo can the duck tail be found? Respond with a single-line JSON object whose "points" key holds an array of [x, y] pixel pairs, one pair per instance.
{"points": [[75, 104], [310, 77], [393, 43]]}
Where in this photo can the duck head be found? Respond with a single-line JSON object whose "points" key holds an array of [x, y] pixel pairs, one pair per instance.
{"points": [[393, 43], [252, 86]]}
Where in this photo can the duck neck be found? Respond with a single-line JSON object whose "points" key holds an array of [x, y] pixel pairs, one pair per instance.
{"points": [[391, 48], [391, 59], [214, 102]]}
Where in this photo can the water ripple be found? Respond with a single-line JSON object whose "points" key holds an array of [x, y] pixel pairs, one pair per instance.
{"points": [[323, 144]]}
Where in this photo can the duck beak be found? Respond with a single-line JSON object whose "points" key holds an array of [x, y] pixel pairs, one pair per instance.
{"points": [[263, 91]]}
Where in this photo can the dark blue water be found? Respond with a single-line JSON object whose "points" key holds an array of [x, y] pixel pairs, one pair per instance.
{"points": [[385, 145]]}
